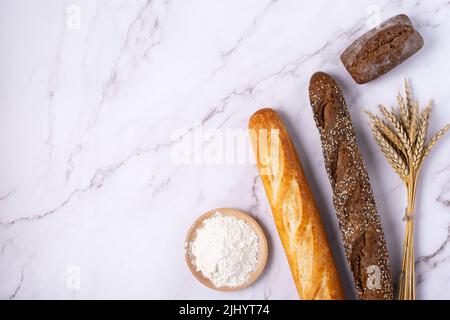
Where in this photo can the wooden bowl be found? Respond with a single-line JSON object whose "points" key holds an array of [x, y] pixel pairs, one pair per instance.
{"points": [[262, 252]]}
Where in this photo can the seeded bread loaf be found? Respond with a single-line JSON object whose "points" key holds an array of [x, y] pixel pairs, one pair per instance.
{"points": [[381, 49], [360, 225]]}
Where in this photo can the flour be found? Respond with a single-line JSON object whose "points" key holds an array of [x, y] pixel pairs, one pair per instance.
{"points": [[225, 250]]}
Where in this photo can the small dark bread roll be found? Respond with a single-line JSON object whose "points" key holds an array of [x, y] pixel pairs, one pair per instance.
{"points": [[381, 49], [360, 225]]}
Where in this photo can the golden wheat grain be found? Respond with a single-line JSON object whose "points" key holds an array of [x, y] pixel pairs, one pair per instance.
{"points": [[388, 132], [398, 128], [409, 96], [435, 139], [404, 115], [412, 132], [391, 154], [407, 131], [423, 128]]}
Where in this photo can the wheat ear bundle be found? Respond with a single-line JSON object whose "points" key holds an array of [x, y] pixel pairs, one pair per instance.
{"points": [[401, 135]]}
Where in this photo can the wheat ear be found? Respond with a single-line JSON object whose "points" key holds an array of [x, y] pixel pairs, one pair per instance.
{"points": [[391, 154], [412, 132], [404, 114], [409, 97], [435, 139], [422, 134], [387, 131], [398, 128]]}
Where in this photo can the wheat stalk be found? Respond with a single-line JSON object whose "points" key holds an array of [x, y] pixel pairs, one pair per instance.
{"points": [[402, 139], [435, 139]]}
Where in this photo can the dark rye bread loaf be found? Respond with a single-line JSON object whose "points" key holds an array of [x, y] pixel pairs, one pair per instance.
{"points": [[360, 225], [381, 49]]}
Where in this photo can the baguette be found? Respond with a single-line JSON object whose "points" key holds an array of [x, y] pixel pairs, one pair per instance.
{"points": [[360, 225], [296, 216]]}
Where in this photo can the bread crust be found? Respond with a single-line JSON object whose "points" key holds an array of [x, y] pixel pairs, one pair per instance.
{"points": [[362, 233], [294, 210], [381, 49]]}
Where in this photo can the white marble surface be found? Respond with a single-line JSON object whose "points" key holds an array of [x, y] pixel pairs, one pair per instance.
{"points": [[92, 203]]}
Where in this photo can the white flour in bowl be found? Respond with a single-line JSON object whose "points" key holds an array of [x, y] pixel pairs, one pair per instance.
{"points": [[225, 250]]}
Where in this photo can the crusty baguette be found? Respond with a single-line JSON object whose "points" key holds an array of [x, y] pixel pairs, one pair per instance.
{"points": [[296, 216], [362, 233]]}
